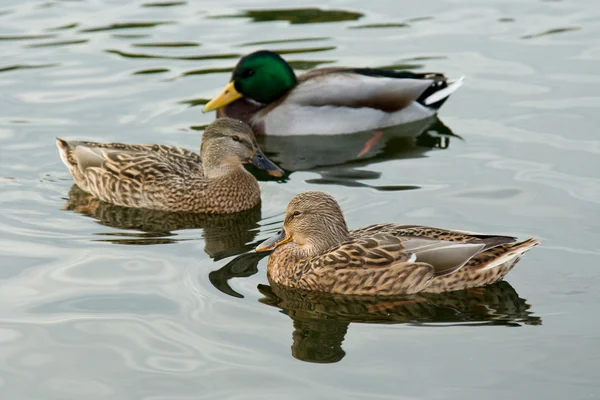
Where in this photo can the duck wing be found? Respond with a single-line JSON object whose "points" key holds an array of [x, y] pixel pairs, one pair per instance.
{"points": [[383, 90], [388, 265], [129, 175], [83, 155], [430, 232]]}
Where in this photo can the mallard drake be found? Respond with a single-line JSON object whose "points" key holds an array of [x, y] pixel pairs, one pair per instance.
{"points": [[170, 178], [265, 92], [316, 251]]}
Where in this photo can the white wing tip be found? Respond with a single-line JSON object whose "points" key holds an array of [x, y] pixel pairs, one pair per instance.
{"points": [[445, 92]]}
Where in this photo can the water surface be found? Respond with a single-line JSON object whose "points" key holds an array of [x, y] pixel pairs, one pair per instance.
{"points": [[102, 302]]}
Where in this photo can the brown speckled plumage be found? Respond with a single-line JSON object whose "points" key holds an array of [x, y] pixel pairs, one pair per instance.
{"points": [[170, 178], [315, 251]]}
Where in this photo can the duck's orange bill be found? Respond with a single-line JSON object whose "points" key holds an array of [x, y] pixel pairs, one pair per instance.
{"points": [[228, 95], [280, 238]]}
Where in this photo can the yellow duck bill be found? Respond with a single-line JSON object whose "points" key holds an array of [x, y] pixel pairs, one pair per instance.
{"points": [[280, 238], [227, 96]]}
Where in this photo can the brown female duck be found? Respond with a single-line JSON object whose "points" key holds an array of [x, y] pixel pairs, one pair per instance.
{"points": [[316, 251], [171, 178]]}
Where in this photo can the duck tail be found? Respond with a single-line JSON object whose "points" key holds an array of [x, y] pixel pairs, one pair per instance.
{"points": [[437, 94], [65, 150], [510, 253]]}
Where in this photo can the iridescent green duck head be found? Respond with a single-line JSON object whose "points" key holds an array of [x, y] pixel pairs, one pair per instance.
{"points": [[262, 76], [313, 223], [228, 143]]}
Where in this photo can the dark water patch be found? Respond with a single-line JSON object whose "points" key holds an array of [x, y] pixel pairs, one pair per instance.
{"points": [[297, 15], [127, 25], [129, 35], [25, 66], [49, 4], [355, 184], [140, 241], [379, 26], [63, 27], [199, 127], [506, 20], [151, 71], [301, 51], [165, 4], [25, 37], [155, 56], [552, 32], [426, 58], [172, 44], [58, 44], [313, 39], [419, 19], [206, 71], [352, 174]]}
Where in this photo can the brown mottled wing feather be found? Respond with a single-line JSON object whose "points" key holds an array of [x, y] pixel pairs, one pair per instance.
{"points": [[446, 250], [435, 233], [378, 264], [134, 175], [176, 153], [377, 251]]}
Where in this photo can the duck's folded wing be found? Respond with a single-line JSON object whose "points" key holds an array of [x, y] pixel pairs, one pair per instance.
{"points": [[384, 250], [379, 264], [450, 235], [444, 256], [349, 88], [141, 166]]}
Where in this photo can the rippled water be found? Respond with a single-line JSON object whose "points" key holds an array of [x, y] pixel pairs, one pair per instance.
{"points": [[103, 302]]}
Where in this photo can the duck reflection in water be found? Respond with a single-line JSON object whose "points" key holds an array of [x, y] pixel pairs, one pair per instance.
{"points": [[337, 157], [321, 320], [224, 235]]}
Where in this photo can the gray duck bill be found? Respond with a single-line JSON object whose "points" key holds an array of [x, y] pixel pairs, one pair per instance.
{"points": [[277, 240], [261, 161]]}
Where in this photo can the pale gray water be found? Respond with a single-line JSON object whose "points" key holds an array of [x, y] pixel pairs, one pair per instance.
{"points": [[86, 311]]}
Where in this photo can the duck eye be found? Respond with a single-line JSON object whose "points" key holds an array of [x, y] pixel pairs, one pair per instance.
{"points": [[248, 73], [235, 138], [296, 213]]}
